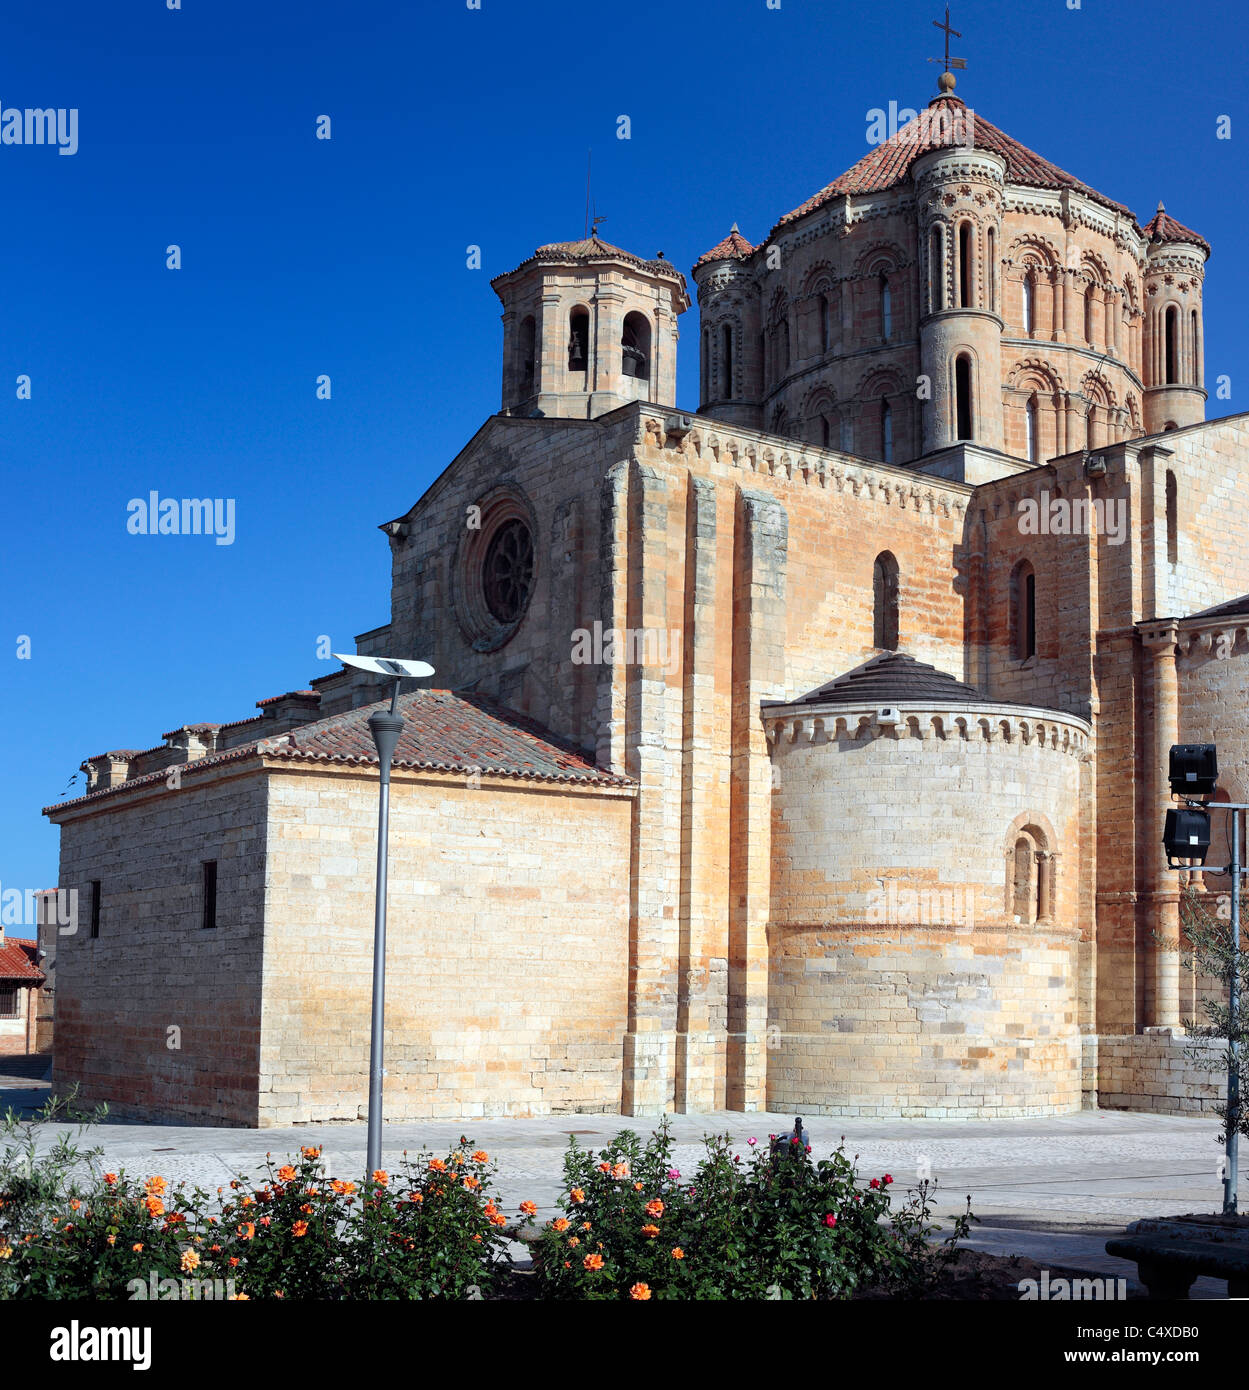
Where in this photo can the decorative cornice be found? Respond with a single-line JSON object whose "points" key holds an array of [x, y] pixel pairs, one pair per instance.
{"points": [[989, 723]]}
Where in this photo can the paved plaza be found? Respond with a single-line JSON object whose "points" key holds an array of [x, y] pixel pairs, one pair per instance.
{"points": [[1052, 1189]]}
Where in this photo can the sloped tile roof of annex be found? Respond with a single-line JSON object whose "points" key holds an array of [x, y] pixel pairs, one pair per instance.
{"points": [[444, 731]]}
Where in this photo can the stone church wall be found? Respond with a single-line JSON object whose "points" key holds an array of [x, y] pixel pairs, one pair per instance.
{"points": [[904, 978], [158, 1016], [507, 947]]}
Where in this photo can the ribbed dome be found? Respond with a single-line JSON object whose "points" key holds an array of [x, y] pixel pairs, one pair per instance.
{"points": [[895, 678]]}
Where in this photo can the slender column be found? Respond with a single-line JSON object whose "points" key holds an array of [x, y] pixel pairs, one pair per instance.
{"points": [[1159, 901]]}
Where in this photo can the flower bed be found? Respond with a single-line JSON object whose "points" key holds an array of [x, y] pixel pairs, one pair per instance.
{"points": [[432, 1230], [775, 1225]]}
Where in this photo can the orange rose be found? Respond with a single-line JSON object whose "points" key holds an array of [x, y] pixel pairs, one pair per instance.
{"points": [[137, 1248], [344, 1189], [498, 1219], [286, 1173], [190, 1261], [247, 1230], [481, 1156], [438, 1165], [529, 1208], [154, 1186], [309, 1152], [154, 1205], [112, 1240], [650, 1232], [678, 1253], [300, 1228], [655, 1208], [640, 1292], [234, 1260], [471, 1183], [593, 1262], [573, 1242], [381, 1177], [577, 1195], [110, 1178], [560, 1223]]}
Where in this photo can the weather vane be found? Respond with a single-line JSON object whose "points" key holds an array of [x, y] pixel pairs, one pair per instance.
{"points": [[947, 60]]}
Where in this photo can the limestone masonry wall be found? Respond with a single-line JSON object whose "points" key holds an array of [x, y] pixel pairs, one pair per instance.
{"points": [[507, 947], [158, 1016], [917, 965]]}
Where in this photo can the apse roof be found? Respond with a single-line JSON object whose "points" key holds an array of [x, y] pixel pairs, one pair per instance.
{"points": [[895, 678]]}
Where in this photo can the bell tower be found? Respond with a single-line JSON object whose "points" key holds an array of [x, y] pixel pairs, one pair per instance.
{"points": [[588, 328]]}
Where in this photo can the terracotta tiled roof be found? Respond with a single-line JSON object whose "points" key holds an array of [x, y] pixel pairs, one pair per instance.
{"points": [[18, 960], [734, 247], [448, 731], [895, 678], [890, 163], [594, 248], [443, 731], [1163, 227]]}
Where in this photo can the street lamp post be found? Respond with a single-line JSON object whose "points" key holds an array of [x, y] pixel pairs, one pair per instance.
{"points": [[385, 726]]}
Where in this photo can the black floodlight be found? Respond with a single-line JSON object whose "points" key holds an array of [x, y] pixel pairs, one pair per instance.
{"points": [[1187, 834], [1194, 769]]}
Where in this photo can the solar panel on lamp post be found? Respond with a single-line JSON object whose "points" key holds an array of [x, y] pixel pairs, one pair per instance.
{"points": [[385, 726]]}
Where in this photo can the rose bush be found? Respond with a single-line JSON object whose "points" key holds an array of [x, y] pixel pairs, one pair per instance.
{"points": [[772, 1225], [432, 1230]]}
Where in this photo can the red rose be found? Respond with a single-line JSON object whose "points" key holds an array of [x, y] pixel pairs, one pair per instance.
{"points": [[830, 1219], [875, 1182], [888, 1179]]}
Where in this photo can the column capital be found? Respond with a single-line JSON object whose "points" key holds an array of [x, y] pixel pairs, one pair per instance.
{"points": [[1159, 635]]}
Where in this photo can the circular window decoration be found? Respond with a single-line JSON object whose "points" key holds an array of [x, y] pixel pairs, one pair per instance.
{"points": [[495, 569], [507, 574]]}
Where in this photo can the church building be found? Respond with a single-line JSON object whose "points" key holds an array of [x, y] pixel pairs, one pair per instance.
{"points": [[803, 752]]}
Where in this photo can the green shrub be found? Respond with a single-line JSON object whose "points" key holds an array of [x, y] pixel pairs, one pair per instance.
{"points": [[776, 1226], [431, 1231]]}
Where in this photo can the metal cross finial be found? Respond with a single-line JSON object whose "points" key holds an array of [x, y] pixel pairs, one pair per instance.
{"points": [[947, 60]]}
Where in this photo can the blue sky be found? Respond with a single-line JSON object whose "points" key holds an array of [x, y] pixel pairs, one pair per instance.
{"points": [[451, 127]]}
